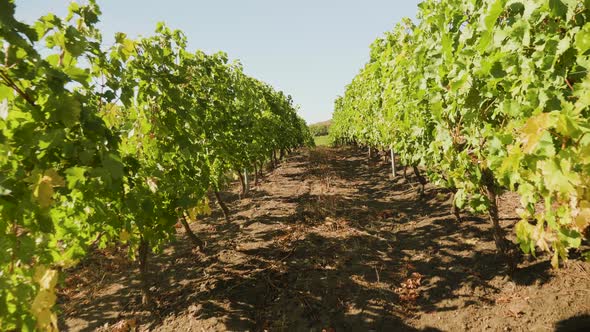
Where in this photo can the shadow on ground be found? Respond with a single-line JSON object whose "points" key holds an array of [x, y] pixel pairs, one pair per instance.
{"points": [[327, 241]]}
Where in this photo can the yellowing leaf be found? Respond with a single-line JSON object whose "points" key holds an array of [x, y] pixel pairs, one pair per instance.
{"points": [[128, 47], [534, 128], [202, 208], [45, 299], [192, 213], [544, 238], [555, 260], [43, 186], [583, 218], [44, 194], [124, 236], [47, 278], [559, 252], [152, 184], [55, 179], [41, 309]]}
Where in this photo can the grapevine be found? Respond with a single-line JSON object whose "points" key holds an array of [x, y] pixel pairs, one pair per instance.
{"points": [[487, 96], [102, 146]]}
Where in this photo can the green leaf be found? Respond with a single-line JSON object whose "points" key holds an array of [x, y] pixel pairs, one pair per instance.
{"points": [[582, 41], [545, 146], [558, 8], [489, 20], [558, 176], [68, 110], [77, 74], [75, 175], [112, 163], [570, 238], [523, 232], [509, 169]]}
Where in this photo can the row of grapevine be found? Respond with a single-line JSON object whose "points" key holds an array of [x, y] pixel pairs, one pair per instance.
{"points": [[99, 146], [487, 96]]}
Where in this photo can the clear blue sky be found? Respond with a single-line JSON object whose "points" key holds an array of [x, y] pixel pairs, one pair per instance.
{"points": [[309, 49]]}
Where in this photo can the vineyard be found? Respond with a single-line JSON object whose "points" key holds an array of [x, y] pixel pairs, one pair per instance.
{"points": [[145, 186], [486, 97], [115, 146]]}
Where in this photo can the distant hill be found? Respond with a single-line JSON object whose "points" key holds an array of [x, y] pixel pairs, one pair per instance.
{"points": [[320, 128], [323, 123]]}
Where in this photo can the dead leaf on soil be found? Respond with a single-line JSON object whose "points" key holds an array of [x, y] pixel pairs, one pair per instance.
{"points": [[385, 214], [517, 309], [124, 325], [504, 299], [409, 289]]}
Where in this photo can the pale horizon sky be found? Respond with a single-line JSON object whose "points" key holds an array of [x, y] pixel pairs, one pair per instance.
{"points": [[308, 49]]}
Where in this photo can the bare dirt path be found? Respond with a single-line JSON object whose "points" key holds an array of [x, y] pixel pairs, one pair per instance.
{"points": [[330, 241]]}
